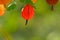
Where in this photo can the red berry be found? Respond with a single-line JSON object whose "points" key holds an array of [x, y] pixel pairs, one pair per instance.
{"points": [[5, 2], [27, 12], [2, 9], [34, 1], [52, 3]]}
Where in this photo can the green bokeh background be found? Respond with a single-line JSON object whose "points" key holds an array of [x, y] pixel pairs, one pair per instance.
{"points": [[45, 25]]}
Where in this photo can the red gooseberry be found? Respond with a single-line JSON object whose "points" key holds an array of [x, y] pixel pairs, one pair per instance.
{"points": [[34, 1], [2, 9], [5, 2], [27, 12], [52, 3]]}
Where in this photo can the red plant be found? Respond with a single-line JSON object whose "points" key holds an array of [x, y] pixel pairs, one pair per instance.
{"points": [[34, 1], [5, 2], [52, 3], [27, 12], [2, 6], [2, 9]]}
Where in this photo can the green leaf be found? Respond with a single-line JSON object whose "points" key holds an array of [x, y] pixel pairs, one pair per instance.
{"points": [[11, 6], [22, 0], [28, 1]]}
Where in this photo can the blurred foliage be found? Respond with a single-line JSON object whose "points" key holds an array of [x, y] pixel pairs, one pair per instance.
{"points": [[45, 25]]}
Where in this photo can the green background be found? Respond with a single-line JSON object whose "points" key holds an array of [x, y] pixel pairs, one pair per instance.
{"points": [[45, 25]]}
